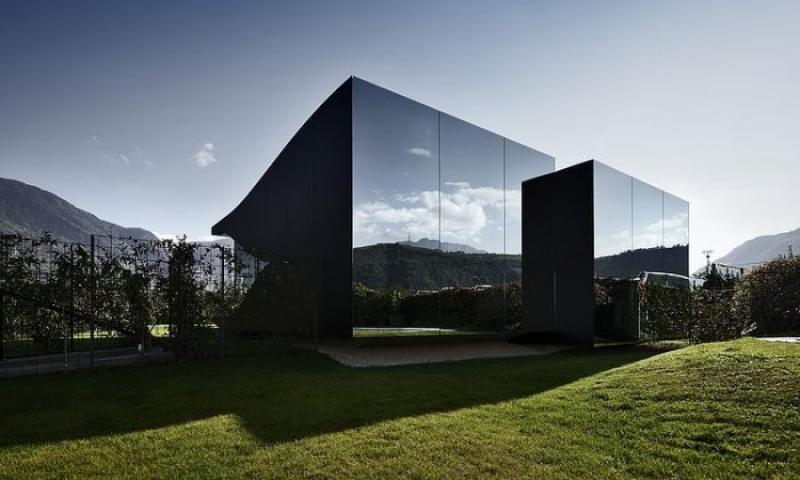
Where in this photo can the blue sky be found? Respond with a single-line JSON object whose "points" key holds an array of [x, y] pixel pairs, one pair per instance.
{"points": [[164, 114]]}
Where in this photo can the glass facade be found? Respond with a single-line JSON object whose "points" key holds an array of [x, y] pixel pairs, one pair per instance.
{"points": [[638, 228], [395, 168], [613, 213], [521, 163], [676, 235], [436, 214]]}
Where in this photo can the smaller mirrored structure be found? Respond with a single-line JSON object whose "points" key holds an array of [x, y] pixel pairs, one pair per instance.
{"points": [[590, 232]]}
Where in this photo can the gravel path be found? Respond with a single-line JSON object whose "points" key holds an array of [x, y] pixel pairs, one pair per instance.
{"points": [[385, 356]]}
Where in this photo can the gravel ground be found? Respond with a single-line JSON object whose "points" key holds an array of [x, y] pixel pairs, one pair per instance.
{"points": [[385, 356]]}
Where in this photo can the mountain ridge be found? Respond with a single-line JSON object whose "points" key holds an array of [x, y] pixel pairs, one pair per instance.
{"points": [[762, 249], [29, 210], [431, 244]]}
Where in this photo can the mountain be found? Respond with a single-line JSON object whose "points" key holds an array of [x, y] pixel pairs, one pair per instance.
{"points": [[446, 246], [217, 242], [29, 211], [394, 264], [763, 248]]}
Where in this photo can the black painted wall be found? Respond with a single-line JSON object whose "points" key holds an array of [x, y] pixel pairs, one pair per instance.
{"points": [[558, 255], [301, 210]]}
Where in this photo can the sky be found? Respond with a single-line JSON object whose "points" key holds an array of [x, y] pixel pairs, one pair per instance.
{"points": [[164, 114]]}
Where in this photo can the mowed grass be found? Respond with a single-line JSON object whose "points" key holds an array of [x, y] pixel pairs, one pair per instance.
{"points": [[724, 410]]}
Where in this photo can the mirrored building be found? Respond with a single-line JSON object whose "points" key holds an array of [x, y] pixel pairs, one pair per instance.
{"points": [[382, 211], [590, 232]]}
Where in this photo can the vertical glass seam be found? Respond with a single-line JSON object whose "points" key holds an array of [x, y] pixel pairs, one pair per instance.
{"points": [[439, 154], [505, 250]]}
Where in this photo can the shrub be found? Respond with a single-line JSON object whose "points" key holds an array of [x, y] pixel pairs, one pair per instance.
{"points": [[665, 312], [769, 297], [715, 316], [699, 315], [495, 308]]}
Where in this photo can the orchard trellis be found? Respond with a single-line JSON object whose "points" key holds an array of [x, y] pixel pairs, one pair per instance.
{"points": [[66, 296]]}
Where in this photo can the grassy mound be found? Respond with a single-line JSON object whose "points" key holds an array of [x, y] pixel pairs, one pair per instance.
{"points": [[724, 410]]}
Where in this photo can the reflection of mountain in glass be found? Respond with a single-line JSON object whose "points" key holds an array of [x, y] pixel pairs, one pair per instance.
{"points": [[400, 266], [631, 263], [443, 246]]}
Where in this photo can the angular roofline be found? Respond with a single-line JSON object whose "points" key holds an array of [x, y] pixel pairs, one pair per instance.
{"points": [[637, 179], [598, 162], [214, 228], [354, 77]]}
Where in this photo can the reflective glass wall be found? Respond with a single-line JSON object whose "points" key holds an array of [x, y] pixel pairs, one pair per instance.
{"points": [[436, 217], [638, 228]]}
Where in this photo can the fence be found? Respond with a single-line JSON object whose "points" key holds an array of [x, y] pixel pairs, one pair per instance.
{"points": [[121, 294]]}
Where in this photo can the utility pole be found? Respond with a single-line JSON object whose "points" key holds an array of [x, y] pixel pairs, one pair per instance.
{"points": [[708, 253]]}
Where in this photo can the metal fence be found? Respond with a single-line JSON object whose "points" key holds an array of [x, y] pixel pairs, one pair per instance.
{"points": [[73, 304]]}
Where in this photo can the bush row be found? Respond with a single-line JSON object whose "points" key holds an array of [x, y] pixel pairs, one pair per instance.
{"points": [[497, 308]]}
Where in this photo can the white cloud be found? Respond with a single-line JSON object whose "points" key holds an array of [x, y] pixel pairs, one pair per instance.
{"points": [[125, 159], [672, 231], [419, 151], [148, 163], [95, 140], [205, 156], [466, 211]]}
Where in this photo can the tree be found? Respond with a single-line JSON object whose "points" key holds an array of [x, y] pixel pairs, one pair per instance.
{"points": [[770, 297]]}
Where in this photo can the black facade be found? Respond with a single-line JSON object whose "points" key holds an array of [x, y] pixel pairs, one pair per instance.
{"points": [[299, 215], [589, 231]]}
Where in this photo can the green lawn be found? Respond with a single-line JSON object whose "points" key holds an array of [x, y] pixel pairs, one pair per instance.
{"points": [[725, 410]]}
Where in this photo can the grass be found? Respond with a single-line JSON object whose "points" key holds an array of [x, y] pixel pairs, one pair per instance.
{"points": [[723, 410]]}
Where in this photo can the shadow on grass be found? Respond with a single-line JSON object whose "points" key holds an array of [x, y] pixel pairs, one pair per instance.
{"points": [[278, 395]]}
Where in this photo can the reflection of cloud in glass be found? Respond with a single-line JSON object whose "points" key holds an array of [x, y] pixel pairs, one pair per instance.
{"points": [[420, 151], [422, 173], [514, 205], [464, 207], [676, 230], [649, 236], [612, 243]]}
